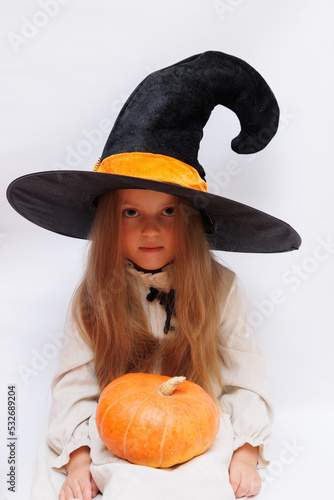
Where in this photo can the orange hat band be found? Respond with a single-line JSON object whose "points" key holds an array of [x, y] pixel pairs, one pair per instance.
{"points": [[152, 167]]}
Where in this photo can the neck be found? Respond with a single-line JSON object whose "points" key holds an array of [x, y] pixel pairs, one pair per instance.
{"points": [[152, 271]]}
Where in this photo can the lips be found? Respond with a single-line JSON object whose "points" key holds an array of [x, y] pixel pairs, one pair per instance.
{"points": [[150, 249]]}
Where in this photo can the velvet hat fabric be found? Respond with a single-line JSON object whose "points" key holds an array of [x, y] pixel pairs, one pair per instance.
{"points": [[154, 145]]}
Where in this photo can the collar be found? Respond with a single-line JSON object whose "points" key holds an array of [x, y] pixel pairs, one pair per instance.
{"points": [[157, 280]]}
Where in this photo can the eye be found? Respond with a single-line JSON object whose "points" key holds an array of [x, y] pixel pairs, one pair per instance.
{"points": [[169, 211], [130, 213]]}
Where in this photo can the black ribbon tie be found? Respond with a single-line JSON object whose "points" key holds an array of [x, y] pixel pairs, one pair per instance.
{"points": [[167, 300]]}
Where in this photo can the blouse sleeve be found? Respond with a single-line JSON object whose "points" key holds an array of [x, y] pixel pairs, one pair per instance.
{"points": [[244, 378], [74, 398]]}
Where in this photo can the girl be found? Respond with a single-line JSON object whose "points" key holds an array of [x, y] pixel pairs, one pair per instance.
{"points": [[153, 297]]}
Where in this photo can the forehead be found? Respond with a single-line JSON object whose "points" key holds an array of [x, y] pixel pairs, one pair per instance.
{"points": [[138, 196]]}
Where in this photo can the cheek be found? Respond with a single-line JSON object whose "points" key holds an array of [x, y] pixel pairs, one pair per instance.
{"points": [[127, 236], [177, 239], [173, 239]]}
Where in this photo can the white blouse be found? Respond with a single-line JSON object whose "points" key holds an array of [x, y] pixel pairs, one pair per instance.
{"points": [[75, 389]]}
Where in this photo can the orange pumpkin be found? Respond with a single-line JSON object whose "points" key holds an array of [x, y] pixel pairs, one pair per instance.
{"points": [[156, 421]]}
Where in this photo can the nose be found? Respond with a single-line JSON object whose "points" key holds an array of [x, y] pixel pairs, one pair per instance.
{"points": [[150, 226]]}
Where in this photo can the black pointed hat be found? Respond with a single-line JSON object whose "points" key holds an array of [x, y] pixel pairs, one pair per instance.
{"points": [[154, 145]]}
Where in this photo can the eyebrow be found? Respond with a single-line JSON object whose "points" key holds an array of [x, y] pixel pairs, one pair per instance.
{"points": [[163, 205]]}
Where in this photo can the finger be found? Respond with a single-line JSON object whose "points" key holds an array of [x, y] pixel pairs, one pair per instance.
{"points": [[76, 492], [68, 493], [95, 489], [243, 487], [242, 492], [86, 491], [255, 486], [234, 480]]}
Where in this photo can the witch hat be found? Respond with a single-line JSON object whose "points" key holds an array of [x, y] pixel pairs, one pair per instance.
{"points": [[154, 145]]}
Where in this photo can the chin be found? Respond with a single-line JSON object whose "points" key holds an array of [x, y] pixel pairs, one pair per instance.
{"points": [[149, 269]]}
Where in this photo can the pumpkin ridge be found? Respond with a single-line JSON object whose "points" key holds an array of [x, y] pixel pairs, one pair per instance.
{"points": [[164, 433], [211, 411], [210, 408], [183, 406], [145, 430], [199, 433], [123, 379], [110, 406], [204, 404], [131, 421]]}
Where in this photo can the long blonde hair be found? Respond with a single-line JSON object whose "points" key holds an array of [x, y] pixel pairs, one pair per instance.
{"points": [[109, 315]]}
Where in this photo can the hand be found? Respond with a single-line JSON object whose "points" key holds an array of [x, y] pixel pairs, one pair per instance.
{"points": [[244, 479], [79, 484]]}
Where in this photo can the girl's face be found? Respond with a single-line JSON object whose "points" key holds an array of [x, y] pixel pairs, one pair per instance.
{"points": [[148, 223]]}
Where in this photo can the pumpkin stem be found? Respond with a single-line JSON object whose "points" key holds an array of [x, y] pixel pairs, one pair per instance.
{"points": [[167, 388]]}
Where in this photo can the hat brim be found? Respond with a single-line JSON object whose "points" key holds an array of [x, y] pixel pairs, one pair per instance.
{"points": [[65, 202]]}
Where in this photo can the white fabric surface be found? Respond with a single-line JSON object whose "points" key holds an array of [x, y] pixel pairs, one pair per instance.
{"points": [[247, 416], [205, 475]]}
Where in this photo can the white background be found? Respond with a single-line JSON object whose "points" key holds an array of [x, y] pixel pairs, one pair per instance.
{"points": [[67, 67]]}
